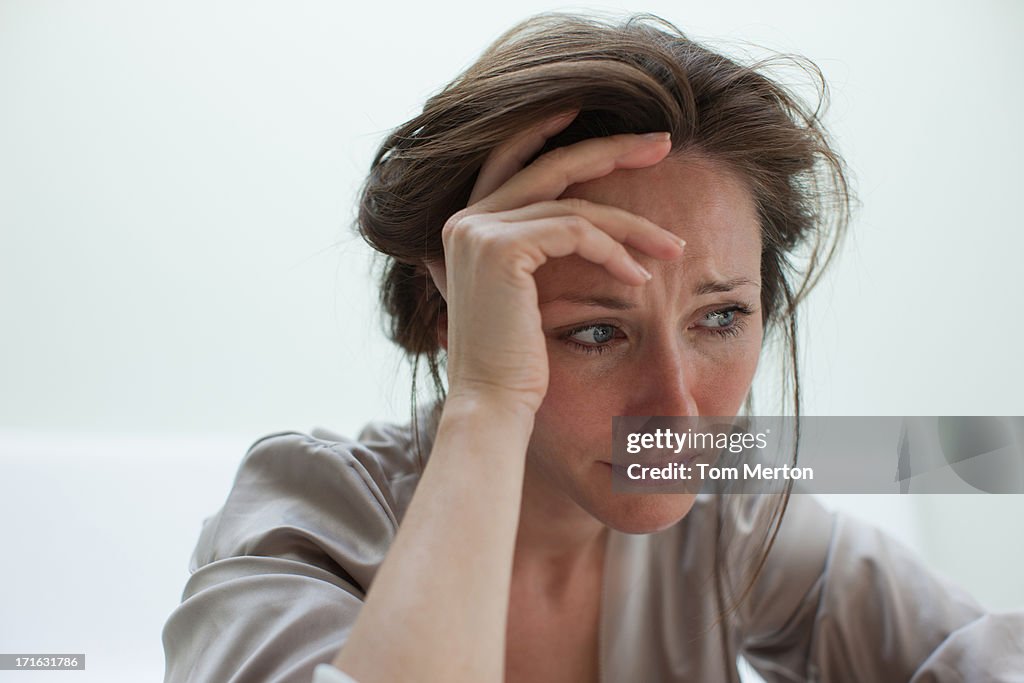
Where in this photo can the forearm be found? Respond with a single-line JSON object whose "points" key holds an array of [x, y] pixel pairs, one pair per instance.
{"points": [[438, 606]]}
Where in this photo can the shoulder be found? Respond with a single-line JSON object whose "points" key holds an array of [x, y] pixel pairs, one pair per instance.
{"points": [[280, 571], [318, 496]]}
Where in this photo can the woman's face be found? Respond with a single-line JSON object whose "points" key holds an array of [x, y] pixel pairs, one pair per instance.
{"points": [[683, 344]]}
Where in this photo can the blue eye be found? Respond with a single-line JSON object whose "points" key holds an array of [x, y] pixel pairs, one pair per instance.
{"points": [[598, 334], [723, 318], [725, 322], [596, 337]]}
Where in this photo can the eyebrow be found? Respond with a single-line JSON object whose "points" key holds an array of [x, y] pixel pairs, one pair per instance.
{"points": [[617, 304], [714, 286]]}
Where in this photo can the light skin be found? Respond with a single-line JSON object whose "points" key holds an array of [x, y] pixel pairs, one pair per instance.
{"points": [[665, 348], [515, 561]]}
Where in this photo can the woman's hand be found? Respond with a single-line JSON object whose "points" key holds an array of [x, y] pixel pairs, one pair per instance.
{"points": [[450, 623], [514, 223]]}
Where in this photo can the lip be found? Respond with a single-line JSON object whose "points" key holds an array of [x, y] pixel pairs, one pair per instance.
{"points": [[620, 472], [674, 459]]}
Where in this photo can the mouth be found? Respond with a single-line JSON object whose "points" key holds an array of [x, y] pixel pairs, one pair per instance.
{"points": [[687, 459]]}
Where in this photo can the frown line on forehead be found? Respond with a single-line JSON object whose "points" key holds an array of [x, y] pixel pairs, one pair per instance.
{"points": [[619, 304]]}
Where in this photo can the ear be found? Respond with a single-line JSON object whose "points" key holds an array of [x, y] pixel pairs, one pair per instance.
{"points": [[442, 328]]}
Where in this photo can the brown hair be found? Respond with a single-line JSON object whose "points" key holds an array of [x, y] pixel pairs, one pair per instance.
{"points": [[638, 75]]}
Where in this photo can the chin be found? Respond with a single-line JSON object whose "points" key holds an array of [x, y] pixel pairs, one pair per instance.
{"points": [[643, 513]]}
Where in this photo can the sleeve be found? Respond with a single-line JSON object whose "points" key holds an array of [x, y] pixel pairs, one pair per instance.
{"points": [[280, 572], [325, 673], [839, 600]]}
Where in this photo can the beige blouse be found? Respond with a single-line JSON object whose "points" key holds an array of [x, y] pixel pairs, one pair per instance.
{"points": [[281, 570]]}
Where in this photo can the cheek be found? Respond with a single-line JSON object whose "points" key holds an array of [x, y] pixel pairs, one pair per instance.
{"points": [[575, 416], [576, 398], [720, 388]]}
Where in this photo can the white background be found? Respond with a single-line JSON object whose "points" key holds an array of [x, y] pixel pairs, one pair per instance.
{"points": [[178, 273]]}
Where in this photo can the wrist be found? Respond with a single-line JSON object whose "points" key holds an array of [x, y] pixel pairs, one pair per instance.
{"points": [[484, 423], [489, 404]]}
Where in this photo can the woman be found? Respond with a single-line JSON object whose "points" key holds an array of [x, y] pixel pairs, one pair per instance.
{"points": [[593, 220]]}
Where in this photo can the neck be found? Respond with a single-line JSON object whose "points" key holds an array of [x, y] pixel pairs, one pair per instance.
{"points": [[558, 542]]}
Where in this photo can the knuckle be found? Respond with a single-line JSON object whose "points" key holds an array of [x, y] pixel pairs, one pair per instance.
{"points": [[554, 157], [491, 243], [576, 225], [456, 224], [576, 204], [475, 233]]}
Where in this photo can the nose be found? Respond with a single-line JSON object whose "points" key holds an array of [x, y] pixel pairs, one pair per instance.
{"points": [[665, 382]]}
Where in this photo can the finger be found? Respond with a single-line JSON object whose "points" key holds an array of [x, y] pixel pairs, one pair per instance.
{"points": [[623, 226], [558, 236], [501, 164], [552, 173], [511, 156]]}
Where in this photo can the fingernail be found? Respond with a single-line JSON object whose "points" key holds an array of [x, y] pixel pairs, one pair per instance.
{"points": [[643, 271], [656, 136]]}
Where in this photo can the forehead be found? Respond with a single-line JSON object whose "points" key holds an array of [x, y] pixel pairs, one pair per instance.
{"points": [[690, 193], [700, 200]]}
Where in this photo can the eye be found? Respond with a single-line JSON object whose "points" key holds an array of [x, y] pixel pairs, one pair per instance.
{"points": [[725, 322], [591, 338], [722, 318], [594, 334]]}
